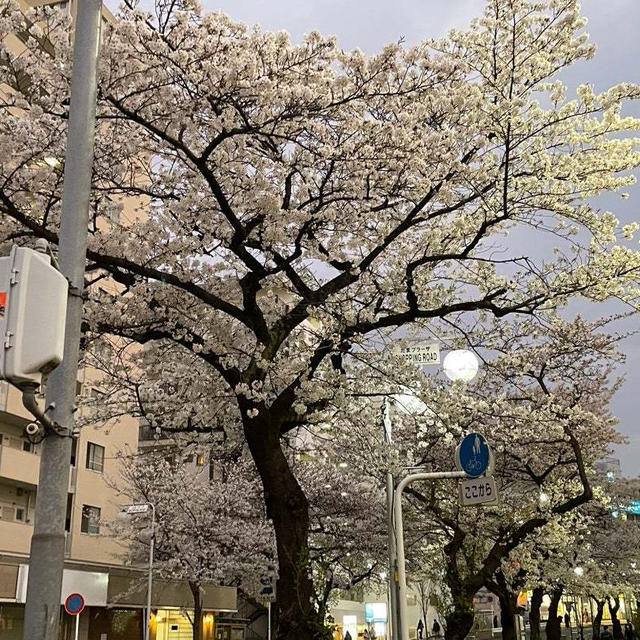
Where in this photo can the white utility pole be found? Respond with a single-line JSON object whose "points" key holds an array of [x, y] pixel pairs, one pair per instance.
{"points": [[152, 541], [393, 625], [46, 564], [397, 508], [133, 510]]}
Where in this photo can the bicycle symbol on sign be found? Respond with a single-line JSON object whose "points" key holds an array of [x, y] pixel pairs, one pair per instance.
{"points": [[474, 465]]}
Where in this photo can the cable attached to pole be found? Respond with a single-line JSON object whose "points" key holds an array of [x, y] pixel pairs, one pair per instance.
{"points": [[30, 403]]}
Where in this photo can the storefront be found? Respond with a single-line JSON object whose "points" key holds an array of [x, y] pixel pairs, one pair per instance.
{"points": [[115, 606]]}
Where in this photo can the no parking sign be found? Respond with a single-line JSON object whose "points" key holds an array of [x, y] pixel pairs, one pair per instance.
{"points": [[74, 604]]}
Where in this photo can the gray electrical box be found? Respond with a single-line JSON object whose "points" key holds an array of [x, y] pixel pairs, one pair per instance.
{"points": [[33, 306]]}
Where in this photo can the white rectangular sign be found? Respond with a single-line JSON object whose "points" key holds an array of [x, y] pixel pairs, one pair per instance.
{"points": [[92, 585], [135, 508], [420, 353], [478, 491]]}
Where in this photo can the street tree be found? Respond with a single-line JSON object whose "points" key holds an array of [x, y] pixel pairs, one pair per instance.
{"points": [[209, 531], [590, 553], [348, 527], [288, 203], [541, 401], [610, 551]]}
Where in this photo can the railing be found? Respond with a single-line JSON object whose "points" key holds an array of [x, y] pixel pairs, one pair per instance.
{"points": [[15, 537], [22, 466], [4, 392]]}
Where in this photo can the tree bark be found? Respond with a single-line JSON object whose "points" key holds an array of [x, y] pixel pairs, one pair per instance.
{"points": [[288, 508], [597, 620], [615, 622], [459, 623], [553, 627], [534, 614], [508, 604], [197, 610]]}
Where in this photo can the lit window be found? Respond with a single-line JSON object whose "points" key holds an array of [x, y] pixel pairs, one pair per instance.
{"points": [[200, 460], [95, 457], [90, 519]]}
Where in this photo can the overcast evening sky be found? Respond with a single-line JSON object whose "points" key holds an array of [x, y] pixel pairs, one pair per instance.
{"points": [[614, 26]]}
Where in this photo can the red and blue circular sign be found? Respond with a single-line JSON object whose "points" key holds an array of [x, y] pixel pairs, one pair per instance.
{"points": [[74, 604]]}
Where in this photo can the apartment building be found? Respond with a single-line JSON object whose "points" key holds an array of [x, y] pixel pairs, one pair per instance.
{"points": [[90, 554], [93, 559], [94, 565]]}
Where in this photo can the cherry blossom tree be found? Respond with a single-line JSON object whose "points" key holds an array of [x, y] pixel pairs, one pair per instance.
{"points": [[348, 528], [590, 552], [289, 204], [541, 400], [209, 531], [610, 551]]}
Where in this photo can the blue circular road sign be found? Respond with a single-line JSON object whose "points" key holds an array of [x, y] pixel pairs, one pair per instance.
{"points": [[74, 604], [473, 455]]}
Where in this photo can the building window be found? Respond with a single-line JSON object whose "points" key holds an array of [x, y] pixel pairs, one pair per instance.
{"points": [[7, 513], [90, 519], [200, 460], [95, 457], [74, 451], [28, 446], [20, 514], [67, 518]]}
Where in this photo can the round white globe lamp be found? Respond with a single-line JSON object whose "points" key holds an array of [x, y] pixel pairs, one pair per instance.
{"points": [[460, 364]]}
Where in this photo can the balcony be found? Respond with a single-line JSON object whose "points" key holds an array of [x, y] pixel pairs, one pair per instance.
{"points": [[19, 466], [15, 537], [11, 402]]}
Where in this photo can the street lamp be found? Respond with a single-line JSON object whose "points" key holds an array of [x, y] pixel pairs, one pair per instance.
{"points": [[135, 509], [460, 365]]}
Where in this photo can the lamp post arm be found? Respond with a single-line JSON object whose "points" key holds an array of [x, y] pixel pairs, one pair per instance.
{"points": [[400, 559]]}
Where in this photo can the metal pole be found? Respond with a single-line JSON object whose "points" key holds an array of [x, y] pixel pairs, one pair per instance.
{"points": [[77, 626], [269, 620], [394, 625], [394, 622], [397, 507], [147, 627], [42, 611]]}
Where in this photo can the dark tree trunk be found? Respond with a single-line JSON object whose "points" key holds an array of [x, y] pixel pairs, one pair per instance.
{"points": [[459, 623], [615, 622], [508, 604], [534, 614], [288, 508], [553, 627], [597, 620], [197, 610]]}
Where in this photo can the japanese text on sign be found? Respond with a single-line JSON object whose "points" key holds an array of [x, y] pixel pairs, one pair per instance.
{"points": [[420, 353], [478, 491]]}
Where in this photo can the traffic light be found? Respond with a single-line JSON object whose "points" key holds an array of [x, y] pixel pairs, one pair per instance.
{"points": [[33, 305]]}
